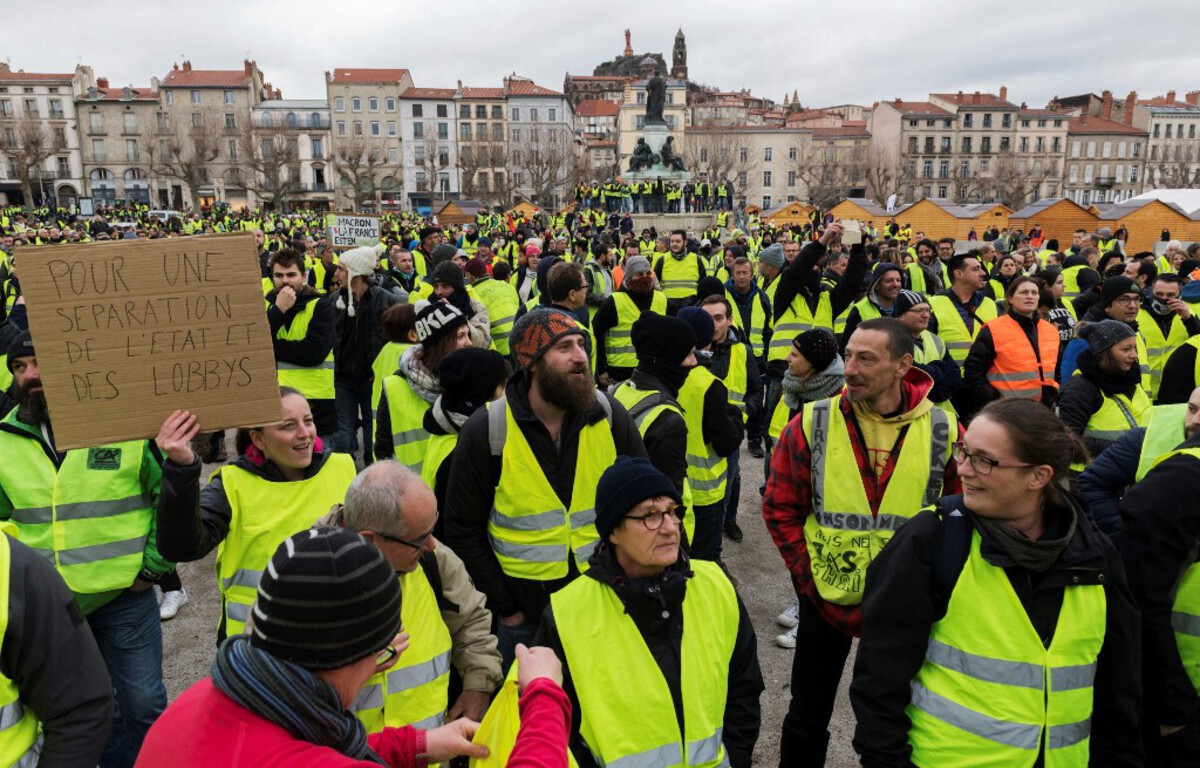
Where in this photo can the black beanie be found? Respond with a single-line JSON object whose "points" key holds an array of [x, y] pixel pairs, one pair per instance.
{"points": [[22, 346], [442, 253], [326, 600], [701, 322], [709, 286], [819, 346], [436, 320], [1113, 287], [469, 378], [906, 300], [449, 273], [663, 338], [624, 485]]}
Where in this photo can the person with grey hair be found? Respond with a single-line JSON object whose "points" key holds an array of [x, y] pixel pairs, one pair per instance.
{"points": [[445, 616]]}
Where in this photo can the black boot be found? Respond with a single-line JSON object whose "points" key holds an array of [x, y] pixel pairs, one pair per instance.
{"points": [[733, 531], [756, 450]]}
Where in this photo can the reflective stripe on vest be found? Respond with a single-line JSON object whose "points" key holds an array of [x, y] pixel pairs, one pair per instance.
{"points": [[1020, 370], [314, 382], [90, 517], [988, 674], [1158, 346], [502, 303], [617, 343], [706, 471], [263, 514], [680, 276], [20, 737], [625, 710], [840, 502], [735, 377], [407, 412], [417, 688], [1117, 415], [953, 329], [797, 319], [531, 533]]}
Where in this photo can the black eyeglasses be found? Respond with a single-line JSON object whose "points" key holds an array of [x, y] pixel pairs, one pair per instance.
{"points": [[418, 544], [982, 464], [654, 520]]}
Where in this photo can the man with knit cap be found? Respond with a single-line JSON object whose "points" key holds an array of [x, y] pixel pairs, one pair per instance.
{"points": [[659, 650], [886, 282], [845, 475], [441, 254], [929, 351], [326, 619], [613, 322], [359, 303], [519, 510], [715, 430]]}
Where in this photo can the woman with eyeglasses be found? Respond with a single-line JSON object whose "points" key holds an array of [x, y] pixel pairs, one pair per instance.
{"points": [[998, 627], [660, 657], [1106, 398], [283, 480]]}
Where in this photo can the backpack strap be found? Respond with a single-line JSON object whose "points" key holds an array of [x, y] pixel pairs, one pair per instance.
{"points": [[602, 399], [497, 426], [428, 561], [953, 548]]}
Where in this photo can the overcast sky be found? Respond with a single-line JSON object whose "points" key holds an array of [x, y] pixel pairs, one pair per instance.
{"points": [[830, 53]]}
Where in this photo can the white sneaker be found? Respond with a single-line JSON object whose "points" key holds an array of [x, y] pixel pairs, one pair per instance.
{"points": [[787, 639], [791, 617], [172, 602]]}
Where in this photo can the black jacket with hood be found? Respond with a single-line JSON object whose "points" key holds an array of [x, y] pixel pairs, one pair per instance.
{"points": [[656, 607], [310, 351]]}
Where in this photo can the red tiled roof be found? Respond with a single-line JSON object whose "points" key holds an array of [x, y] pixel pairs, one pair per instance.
{"points": [[429, 93], [597, 108], [1089, 124], [916, 108], [205, 78], [741, 128], [529, 88], [118, 94], [348, 76], [483, 93], [23, 75], [969, 99]]}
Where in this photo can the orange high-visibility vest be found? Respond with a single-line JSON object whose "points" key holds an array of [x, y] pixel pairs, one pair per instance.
{"points": [[1017, 370]]}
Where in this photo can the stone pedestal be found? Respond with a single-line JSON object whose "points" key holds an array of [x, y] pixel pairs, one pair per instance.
{"points": [[656, 137]]}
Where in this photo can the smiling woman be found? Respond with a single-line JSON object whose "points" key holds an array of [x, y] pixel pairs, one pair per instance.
{"points": [[283, 480]]}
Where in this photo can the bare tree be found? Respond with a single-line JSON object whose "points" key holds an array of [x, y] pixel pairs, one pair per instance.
{"points": [[359, 160], [272, 154], [830, 171], [28, 144], [432, 158], [712, 153], [546, 161], [884, 173], [504, 189], [1010, 179], [1175, 167], [472, 159], [185, 152]]}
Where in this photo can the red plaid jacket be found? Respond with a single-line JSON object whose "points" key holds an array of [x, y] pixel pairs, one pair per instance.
{"points": [[788, 500]]}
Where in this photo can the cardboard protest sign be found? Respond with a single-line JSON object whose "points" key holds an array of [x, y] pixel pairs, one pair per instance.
{"points": [[348, 230], [127, 332]]}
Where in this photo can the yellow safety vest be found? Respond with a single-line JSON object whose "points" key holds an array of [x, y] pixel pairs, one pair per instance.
{"points": [[532, 531], [315, 382], [626, 714], [760, 320], [735, 378], [407, 411], [437, 450], [953, 329], [843, 536], [416, 690], [90, 517], [1116, 416], [1071, 282], [502, 303], [20, 732], [706, 470], [1164, 433], [779, 419], [645, 406], [385, 364], [1159, 347], [680, 276], [264, 513], [618, 344], [929, 349], [1185, 613], [797, 319], [990, 693]]}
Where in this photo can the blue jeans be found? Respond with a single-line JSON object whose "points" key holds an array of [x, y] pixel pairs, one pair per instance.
{"points": [[353, 402], [507, 639], [129, 633], [710, 522], [733, 486]]}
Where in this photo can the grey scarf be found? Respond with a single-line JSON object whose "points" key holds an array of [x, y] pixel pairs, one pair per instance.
{"points": [[1036, 556], [418, 376], [819, 386]]}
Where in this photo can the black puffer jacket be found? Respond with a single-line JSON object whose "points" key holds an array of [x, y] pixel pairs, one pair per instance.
{"points": [[1083, 395], [656, 607], [900, 608]]}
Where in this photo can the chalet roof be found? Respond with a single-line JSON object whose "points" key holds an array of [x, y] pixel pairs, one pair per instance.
{"points": [[1033, 209], [950, 207], [1183, 199], [1087, 124], [597, 108], [1132, 205], [874, 208], [353, 76]]}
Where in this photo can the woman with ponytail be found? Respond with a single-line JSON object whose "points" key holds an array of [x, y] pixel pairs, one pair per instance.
{"points": [[998, 627]]}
